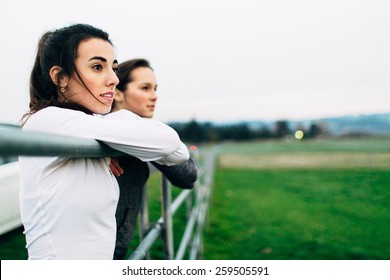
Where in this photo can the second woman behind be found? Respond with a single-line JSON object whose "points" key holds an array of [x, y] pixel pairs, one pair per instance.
{"points": [[136, 92]]}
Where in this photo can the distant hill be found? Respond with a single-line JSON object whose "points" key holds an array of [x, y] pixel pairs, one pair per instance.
{"points": [[377, 124]]}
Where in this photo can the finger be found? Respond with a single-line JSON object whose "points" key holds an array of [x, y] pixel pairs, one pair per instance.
{"points": [[117, 166], [114, 169]]}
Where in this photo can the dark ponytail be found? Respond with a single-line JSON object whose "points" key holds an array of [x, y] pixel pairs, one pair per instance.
{"points": [[42, 89]]}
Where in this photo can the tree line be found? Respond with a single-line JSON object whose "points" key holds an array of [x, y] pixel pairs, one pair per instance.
{"points": [[198, 132]]}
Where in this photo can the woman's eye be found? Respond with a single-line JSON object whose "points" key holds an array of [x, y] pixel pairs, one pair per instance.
{"points": [[97, 67], [115, 69]]}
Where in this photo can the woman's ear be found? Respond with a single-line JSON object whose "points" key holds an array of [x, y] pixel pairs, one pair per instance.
{"points": [[119, 96], [54, 72]]}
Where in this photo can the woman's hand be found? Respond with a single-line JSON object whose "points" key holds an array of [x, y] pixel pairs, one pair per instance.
{"points": [[115, 167]]}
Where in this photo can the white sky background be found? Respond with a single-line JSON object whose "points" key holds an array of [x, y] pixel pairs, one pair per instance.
{"points": [[223, 60]]}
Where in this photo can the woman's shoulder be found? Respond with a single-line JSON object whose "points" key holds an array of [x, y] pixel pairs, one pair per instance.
{"points": [[60, 111], [56, 111], [49, 117], [122, 114]]}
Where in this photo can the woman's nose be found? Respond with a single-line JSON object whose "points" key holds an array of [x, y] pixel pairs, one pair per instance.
{"points": [[113, 79], [153, 95]]}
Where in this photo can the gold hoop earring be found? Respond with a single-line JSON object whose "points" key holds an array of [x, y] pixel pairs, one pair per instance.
{"points": [[62, 90]]}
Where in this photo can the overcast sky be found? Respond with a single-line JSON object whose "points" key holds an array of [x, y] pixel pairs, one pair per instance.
{"points": [[223, 60]]}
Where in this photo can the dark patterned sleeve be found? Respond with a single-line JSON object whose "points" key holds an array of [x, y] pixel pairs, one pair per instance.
{"points": [[183, 175]]}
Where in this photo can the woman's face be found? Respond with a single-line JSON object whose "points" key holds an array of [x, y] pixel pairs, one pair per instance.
{"points": [[96, 65], [140, 94]]}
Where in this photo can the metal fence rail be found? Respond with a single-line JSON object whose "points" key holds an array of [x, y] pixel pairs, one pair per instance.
{"points": [[197, 201], [15, 142]]}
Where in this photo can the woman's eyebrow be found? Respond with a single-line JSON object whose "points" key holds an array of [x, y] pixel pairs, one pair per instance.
{"points": [[98, 58], [102, 59]]}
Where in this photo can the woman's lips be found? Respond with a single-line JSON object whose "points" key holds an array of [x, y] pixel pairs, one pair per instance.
{"points": [[108, 96]]}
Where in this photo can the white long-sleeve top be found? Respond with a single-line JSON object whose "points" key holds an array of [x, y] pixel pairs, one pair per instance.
{"points": [[68, 204]]}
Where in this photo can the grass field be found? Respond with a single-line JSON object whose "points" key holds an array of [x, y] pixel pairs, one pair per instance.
{"points": [[299, 214], [322, 199], [301, 200]]}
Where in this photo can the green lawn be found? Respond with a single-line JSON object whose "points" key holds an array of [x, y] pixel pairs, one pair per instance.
{"points": [[299, 214], [271, 202], [12, 245]]}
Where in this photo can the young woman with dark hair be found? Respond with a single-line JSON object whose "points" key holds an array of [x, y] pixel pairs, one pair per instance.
{"points": [[68, 204]]}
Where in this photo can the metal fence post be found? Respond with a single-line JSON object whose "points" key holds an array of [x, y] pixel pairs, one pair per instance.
{"points": [[144, 217], [167, 216]]}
